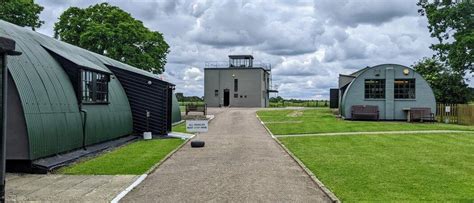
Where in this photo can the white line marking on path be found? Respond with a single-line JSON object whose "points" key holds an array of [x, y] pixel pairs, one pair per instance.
{"points": [[378, 132], [129, 188]]}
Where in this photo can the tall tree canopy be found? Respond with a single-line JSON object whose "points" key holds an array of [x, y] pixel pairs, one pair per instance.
{"points": [[448, 86], [110, 31], [452, 23], [21, 12]]}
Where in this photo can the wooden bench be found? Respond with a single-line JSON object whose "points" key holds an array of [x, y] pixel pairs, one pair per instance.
{"points": [[365, 112], [196, 108], [422, 114]]}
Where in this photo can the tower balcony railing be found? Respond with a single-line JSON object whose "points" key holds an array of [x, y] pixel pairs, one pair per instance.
{"points": [[226, 64]]}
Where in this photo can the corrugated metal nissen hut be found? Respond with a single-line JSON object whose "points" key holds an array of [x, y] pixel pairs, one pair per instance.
{"points": [[61, 97], [391, 88]]}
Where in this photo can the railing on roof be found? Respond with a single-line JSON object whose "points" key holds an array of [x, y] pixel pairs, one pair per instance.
{"points": [[226, 64]]}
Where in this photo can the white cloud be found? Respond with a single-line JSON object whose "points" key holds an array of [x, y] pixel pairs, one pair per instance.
{"points": [[307, 42], [193, 73], [353, 13]]}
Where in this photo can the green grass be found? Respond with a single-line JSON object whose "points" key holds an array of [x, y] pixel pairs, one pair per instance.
{"points": [[180, 128], [135, 158], [383, 168], [197, 102], [284, 122], [315, 103]]}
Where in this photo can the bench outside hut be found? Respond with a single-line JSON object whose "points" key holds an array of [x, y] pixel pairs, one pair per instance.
{"points": [[386, 92], [194, 107]]}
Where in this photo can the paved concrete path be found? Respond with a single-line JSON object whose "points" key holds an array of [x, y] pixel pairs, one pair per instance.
{"points": [[378, 133], [65, 188], [240, 163]]}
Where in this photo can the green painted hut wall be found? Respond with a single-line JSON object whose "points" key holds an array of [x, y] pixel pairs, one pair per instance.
{"points": [[176, 112]]}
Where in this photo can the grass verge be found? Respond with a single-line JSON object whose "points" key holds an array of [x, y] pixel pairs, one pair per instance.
{"points": [[418, 167], [286, 122], [133, 159], [181, 128]]}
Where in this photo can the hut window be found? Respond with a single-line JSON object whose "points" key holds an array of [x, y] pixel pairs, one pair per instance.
{"points": [[374, 89], [102, 88], [94, 87], [404, 89]]}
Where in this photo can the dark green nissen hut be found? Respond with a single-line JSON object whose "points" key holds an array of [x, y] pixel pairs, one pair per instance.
{"points": [[61, 97]]}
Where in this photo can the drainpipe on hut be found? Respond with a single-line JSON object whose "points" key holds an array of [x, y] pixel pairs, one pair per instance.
{"points": [[7, 47]]}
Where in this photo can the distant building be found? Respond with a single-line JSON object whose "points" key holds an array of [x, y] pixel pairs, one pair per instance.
{"points": [[238, 83], [393, 88]]}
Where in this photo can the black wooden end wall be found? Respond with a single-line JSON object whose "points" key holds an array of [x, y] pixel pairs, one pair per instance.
{"points": [[334, 98], [143, 96]]}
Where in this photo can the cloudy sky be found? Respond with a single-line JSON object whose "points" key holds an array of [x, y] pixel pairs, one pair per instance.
{"points": [[307, 42]]}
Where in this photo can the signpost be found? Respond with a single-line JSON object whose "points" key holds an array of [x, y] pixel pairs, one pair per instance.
{"points": [[197, 126], [447, 109]]}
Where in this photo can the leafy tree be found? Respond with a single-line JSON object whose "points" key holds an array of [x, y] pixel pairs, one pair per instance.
{"points": [[21, 12], [472, 94], [179, 96], [448, 86], [276, 99], [110, 31], [452, 23]]}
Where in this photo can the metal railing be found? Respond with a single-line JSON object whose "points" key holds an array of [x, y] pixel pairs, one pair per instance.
{"points": [[226, 64]]}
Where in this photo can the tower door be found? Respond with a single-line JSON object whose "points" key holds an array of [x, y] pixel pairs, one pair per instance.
{"points": [[226, 97]]}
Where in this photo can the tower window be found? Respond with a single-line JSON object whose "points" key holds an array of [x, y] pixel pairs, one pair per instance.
{"points": [[236, 85]]}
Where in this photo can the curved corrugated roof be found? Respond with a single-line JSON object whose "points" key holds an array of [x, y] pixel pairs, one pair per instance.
{"points": [[360, 71]]}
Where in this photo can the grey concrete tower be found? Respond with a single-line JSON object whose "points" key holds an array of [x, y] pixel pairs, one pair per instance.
{"points": [[240, 82]]}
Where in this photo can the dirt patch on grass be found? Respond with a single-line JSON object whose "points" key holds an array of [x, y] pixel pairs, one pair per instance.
{"points": [[295, 114]]}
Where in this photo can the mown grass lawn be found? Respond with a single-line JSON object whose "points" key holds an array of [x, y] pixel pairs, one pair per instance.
{"points": [[285, 122], [135, 158], [181, 128], [381, 168]]}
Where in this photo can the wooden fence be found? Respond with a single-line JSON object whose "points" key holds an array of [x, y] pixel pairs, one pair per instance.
{"points": [[466, 114], [455, 113]]}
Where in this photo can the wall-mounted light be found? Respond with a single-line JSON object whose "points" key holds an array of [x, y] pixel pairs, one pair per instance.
{"points": [[406, 71], [233, 75], [149, 82]]}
